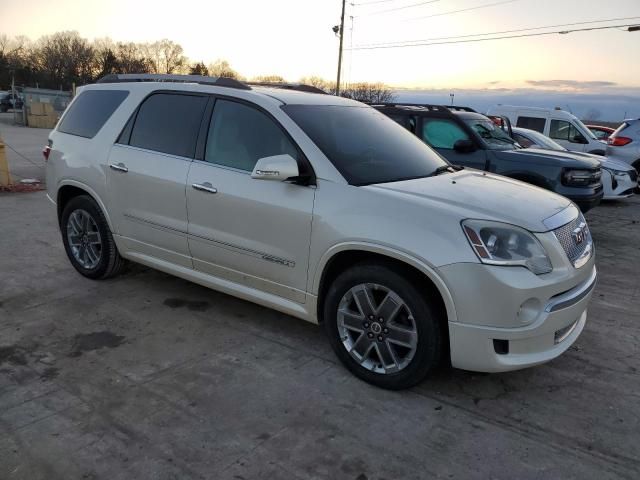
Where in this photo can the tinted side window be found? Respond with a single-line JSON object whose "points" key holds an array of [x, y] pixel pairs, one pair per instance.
{"points": [[90, 112], [561, 130], [532, 123], [240, 135], [440, 133], [406, 121], [169, 123]]}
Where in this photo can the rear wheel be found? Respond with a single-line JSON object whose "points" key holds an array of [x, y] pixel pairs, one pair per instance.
{"points": [[382, 328], [88, 240]]}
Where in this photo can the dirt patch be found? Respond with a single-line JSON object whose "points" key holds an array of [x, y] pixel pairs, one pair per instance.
{"points": [[86, 342], [193, 305], [13, 355], [49, 374]]}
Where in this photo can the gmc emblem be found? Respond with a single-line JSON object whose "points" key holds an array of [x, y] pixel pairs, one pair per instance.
{"points": [[579, 234]]}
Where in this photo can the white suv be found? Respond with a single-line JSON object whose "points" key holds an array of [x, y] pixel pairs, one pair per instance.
{"points": [[325, 209]]}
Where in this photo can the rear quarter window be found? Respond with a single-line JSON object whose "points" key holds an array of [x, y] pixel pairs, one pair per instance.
{"points": [[532, 123], [91, 110]]}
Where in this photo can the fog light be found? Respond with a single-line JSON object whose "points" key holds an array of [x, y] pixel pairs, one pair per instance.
{"points": [[501, 347], [529, 311], [562, 334]]}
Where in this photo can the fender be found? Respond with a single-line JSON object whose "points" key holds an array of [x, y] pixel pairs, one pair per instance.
{"points": [[428, 270], [76, 183]]}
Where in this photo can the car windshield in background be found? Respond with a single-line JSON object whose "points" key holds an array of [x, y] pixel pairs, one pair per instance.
{"points": [[584, 128], [544, 142], [492, 135], [364, 145]]}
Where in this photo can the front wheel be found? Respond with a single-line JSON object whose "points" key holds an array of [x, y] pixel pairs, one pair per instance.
{"points": [[382, 328], [88, 240]]}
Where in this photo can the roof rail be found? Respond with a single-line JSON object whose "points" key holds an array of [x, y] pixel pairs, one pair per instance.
{"points": [[300, 87], [461, 109], [436, 108], [157, 77]]}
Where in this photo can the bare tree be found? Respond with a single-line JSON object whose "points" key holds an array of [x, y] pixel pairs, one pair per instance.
{"points": [[593, 114], [321, 83], [222, 68], [199, 69], [368, 93], [131, 58], [165, 56], [268, 79], [64, 58]]}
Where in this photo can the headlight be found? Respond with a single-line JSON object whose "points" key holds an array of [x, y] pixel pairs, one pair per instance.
{"points": [[498, 243], [579, 178]]}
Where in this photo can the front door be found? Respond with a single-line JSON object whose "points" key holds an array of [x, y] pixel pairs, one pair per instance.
{"points": [[249, 231], [442, 134], [147, 175], [567, 135]]}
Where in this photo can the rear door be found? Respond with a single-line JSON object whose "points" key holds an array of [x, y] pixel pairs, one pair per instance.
{"points": [[249, 231], [442, 133], [148, 169]]}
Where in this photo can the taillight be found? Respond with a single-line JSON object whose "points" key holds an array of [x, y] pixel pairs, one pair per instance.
{"points": [[619, 141]]}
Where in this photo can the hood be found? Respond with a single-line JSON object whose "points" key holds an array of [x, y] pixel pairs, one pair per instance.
{"points": [[555, 157], [480, 195], [614, 164]]}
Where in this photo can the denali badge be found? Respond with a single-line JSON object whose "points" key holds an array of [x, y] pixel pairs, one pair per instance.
{"points": [[579, 234]]}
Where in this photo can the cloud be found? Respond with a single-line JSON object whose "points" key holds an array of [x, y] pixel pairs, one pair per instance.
{"points": [[570, 84]]}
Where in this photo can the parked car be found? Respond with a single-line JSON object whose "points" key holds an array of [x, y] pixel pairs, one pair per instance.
{"points": [[618, 178], [9, 101], [322, 208], [601, 133], [465, 137], [624, 143], [561, 126]]}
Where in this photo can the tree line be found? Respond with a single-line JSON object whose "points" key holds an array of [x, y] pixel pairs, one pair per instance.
{"points": [[64, 59]]}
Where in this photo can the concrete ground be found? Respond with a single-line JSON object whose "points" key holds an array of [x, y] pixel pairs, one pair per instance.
{"points": [[148, 376], [23, 148]]}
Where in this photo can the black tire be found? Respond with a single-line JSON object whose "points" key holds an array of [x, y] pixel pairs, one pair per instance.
{"points": [[427, 324], [110, 262]]}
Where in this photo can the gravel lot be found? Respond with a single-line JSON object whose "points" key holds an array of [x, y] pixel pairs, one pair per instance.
{"points": [[147, 376]]}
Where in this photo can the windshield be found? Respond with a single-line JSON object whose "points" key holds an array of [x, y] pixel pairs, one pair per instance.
{"points": [[584, 128], [542, 140], [493, 136], [364, 145]]}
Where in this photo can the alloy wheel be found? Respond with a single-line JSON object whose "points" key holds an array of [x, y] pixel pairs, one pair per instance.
{"points": [[377, 328], [84, 239]]}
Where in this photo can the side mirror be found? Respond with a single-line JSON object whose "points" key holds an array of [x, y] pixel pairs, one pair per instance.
{"points": [[579, 138], [464, 146], [277, 167]]}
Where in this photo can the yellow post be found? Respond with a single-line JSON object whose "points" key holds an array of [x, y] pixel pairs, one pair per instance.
{"points": [[5, 176]]}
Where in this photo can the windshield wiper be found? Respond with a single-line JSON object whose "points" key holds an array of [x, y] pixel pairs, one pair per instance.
{"points": [[442, 169]]}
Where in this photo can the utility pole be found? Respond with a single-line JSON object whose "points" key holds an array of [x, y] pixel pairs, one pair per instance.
{"points": [[340, 32]]}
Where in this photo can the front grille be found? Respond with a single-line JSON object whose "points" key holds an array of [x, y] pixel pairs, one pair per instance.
{"points": [[565, 236]]}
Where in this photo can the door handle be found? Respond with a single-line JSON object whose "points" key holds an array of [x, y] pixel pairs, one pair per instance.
{"points": [[120, 167], [204, 187]]}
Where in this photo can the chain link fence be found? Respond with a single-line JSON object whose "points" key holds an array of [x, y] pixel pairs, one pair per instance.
{"points": [[43, 108]]}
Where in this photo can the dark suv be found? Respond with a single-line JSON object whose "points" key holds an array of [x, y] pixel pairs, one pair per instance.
{"points": [[465, 137], [8, 101]]}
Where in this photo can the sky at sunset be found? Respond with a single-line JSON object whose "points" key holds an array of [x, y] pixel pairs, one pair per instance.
{"points": [[293, 38]]}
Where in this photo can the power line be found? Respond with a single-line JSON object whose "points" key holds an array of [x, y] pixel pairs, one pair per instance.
{"points": [[451, 12], [370, 3], [455, 37], [562, 32], [378, 12]]}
